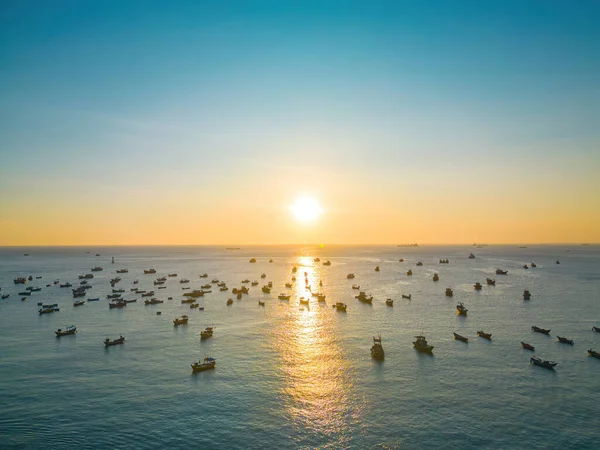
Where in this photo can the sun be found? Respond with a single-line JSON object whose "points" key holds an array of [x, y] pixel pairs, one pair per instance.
{"points": [[306, 209]]}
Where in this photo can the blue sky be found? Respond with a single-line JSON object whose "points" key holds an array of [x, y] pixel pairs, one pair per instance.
{"points": [[182, 89]]}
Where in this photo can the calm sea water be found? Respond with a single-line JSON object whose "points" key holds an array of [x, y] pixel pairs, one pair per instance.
{"points": [[289, 377]]}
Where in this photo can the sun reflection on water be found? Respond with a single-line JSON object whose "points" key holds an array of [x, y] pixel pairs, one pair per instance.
{"points": [[318, 383]]}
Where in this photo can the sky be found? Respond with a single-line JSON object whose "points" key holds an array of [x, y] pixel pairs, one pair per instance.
{"points": [[201, 122]]}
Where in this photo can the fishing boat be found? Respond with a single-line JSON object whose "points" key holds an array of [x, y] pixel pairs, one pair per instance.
{"points": [[377, 269], [118, 291], [115, 280], [401, 260], [327, 263], [183, 320], [304, 301], [593, 353], [93, 299], [540, 330], [526, 295], [419, 264], [340, 306], [389, 302], [421, 345], [284, 296], [229, 301], [204, 275], [288, 285], [148, 271], [261, 303], [320, 297], [436, 277], [294, 269], [252, 260], [350, 276], [444, 261], [377, 349], [122, 271], [266, 289], [78, 303], [485, 335], [97, 269], [194, 294], [362, 297], [255, 283], [471, 256], [355, 286], [206, 286], [207, 364], [207, 333], [71, 329], [5, 296], [532, 265], [461, 309], [153, 301], [130, 301], [449, 292], [108, 342], [477, 286], [112, 296], [501, 272], [527, 346], [596, 329], [408, 297], [458, 337], [118, 304], [112, 261], [564, 340], [184, 281], [66, 285], [172, 275], [86, 276], [525, 266], [409, 273], [542, 363], [20, 280]]}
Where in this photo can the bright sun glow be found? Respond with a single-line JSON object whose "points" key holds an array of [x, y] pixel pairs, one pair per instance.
{"points": [[306, 209]]}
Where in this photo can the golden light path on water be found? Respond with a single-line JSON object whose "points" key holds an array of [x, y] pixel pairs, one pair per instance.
{"points": [[318, 378]]}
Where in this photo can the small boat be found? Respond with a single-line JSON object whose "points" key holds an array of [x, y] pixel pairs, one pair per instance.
{"points": [[86, 276], [377, 349], [93, 299], [557, 261], [207, 333], [109, 296], [409, 273], [158, 283], [194, 294], [130, 301], [294, 269], [320, 297], [484, 335], [436, 277], [266, 289], [593, 353], [527, 346], [288, 285], [471, 256], [5, 296], [532, 265], [66, 285], [148, 271], [108, 342], [340, 306], [119, 304], [377, 269], [229, 301], [184, 281], [270, 260], [136, 281], [245, 281], [207, 364], [408, 297], [172, 275], [261, 303], [214, 281], [477, 286], [526, 295], [542, 363], [362, 297], [78, 303], [112, 261], [195, 305], [389, 302], [153, 301], [183, 320], [252, 260], [122, 271], [118, 291], [270, 284], [327, 263], [501, 272], [350, 276], [255, 283], [461, 309], [540, 330], [419, 264], [458, 337], [204, 275], [444, 261], [596, 329], [27, 293], [355, 286], [421, 345], [564, 340], [97, 269], [304, 301], [449, 292], [206, 286], [71, 329], [79, 294], [223, 288], [525, 266], [283, 296], [490, 281], [401, 260]]}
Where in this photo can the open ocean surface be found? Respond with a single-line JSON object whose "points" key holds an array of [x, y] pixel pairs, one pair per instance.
{"points": [[288, 377]]}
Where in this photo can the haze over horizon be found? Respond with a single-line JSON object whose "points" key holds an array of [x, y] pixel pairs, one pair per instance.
{"points": [[203, 123]]}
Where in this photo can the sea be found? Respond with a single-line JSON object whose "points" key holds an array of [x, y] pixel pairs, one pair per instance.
{"points": [[294, 377]]}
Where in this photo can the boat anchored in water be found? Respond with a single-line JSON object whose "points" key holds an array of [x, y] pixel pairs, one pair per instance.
{"points": [[485, 335], [421, 345], [201, 366], [461, 309], [436, 277], [527, 346], [501, 272], [540, 330], [377, 349], [389, 302], [449, 292], [490, 281], [458, 337], [526, 295], [183, 320], [542, 363], [71, 329], [593, 353], [340, 306], [108, 342], [564, 340], [362, 297], [207, 333]]}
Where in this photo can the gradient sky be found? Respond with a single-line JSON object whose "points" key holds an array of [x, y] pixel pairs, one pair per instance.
{"points": [[200, 122]]}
